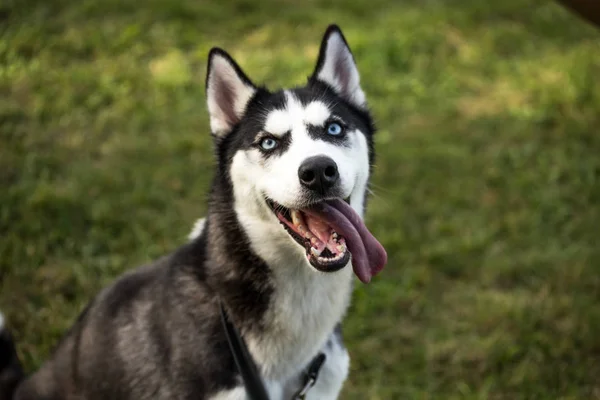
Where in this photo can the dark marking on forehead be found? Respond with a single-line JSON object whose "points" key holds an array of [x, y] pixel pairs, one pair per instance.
{"points": [[275, 101], [245, 133]]}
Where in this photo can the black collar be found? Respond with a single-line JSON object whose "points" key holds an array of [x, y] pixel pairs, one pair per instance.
{"points": [[246, 366]]}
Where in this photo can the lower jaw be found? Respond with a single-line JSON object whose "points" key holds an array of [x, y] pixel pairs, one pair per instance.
{"points": [[334, 267], [321, 267]]}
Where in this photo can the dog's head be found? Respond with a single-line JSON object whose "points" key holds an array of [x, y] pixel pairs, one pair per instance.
{"points": [[298, 160]]}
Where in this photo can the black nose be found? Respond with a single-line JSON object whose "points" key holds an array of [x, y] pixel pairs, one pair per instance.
{"points": [[318, 173]]}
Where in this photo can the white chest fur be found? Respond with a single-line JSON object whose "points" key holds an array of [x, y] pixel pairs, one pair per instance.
{"points": [[304, 310]]}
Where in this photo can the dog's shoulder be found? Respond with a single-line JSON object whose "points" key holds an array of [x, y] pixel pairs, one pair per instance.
{"points": [[136, 329]]}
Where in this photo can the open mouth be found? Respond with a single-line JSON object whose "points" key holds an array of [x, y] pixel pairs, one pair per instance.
{"points": [[332, 232], [326, 249]]}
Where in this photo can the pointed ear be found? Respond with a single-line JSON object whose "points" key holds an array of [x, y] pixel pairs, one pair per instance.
{"points": [[228, 91], [336, 67]]}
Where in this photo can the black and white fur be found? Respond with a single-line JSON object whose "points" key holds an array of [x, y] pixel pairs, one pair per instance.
{"points": [[156, 334]]}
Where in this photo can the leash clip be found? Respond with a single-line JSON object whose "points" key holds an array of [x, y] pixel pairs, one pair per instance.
{"points": [[301, 395], [311, 376]]}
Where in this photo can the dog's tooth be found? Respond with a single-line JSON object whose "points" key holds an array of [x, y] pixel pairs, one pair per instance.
{"points": [[307, 233], [296, 217], [334, 235], [341, 248], [315, 252], [298, 221]]}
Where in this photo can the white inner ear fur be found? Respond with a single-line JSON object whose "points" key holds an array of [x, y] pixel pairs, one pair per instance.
{"points": [[340, 72], [227, 95]]}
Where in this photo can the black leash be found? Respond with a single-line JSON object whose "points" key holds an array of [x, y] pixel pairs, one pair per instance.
{"points": [[245, 364], [255, 387]]}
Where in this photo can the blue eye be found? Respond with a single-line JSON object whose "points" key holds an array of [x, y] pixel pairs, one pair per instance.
{"points": [[334, 129], [268, 143]]}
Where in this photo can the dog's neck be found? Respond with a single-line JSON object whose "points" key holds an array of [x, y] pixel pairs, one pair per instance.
{"points": [[241, 280], [283, 307]]}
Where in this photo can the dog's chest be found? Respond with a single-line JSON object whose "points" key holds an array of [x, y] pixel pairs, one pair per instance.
{"points": [[303, 312]]}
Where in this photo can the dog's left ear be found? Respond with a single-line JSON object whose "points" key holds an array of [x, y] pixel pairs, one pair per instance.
{"points": [[228, 91], [336, 67]]}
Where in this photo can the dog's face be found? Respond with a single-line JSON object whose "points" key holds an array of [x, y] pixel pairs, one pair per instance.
{"points": [[289, 150]]}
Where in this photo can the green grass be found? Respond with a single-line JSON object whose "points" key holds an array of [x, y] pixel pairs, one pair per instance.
{"points": [[486, 192]]}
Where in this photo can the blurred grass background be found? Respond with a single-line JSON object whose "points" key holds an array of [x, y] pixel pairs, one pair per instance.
{"points": [[486, 192]]}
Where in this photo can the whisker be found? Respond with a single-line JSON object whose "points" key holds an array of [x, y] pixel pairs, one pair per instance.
{"points": [[378, 197], [380, 188]]}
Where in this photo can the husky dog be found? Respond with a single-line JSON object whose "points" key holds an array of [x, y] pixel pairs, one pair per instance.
{"points": [[282, 237]]}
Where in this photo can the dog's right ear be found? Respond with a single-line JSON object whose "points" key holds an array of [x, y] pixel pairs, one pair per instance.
{"points": [[228, 91]]}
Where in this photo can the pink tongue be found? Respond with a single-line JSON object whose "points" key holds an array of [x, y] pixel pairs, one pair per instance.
{"points": [[368, 255], [322, 230], [319, 228]]}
